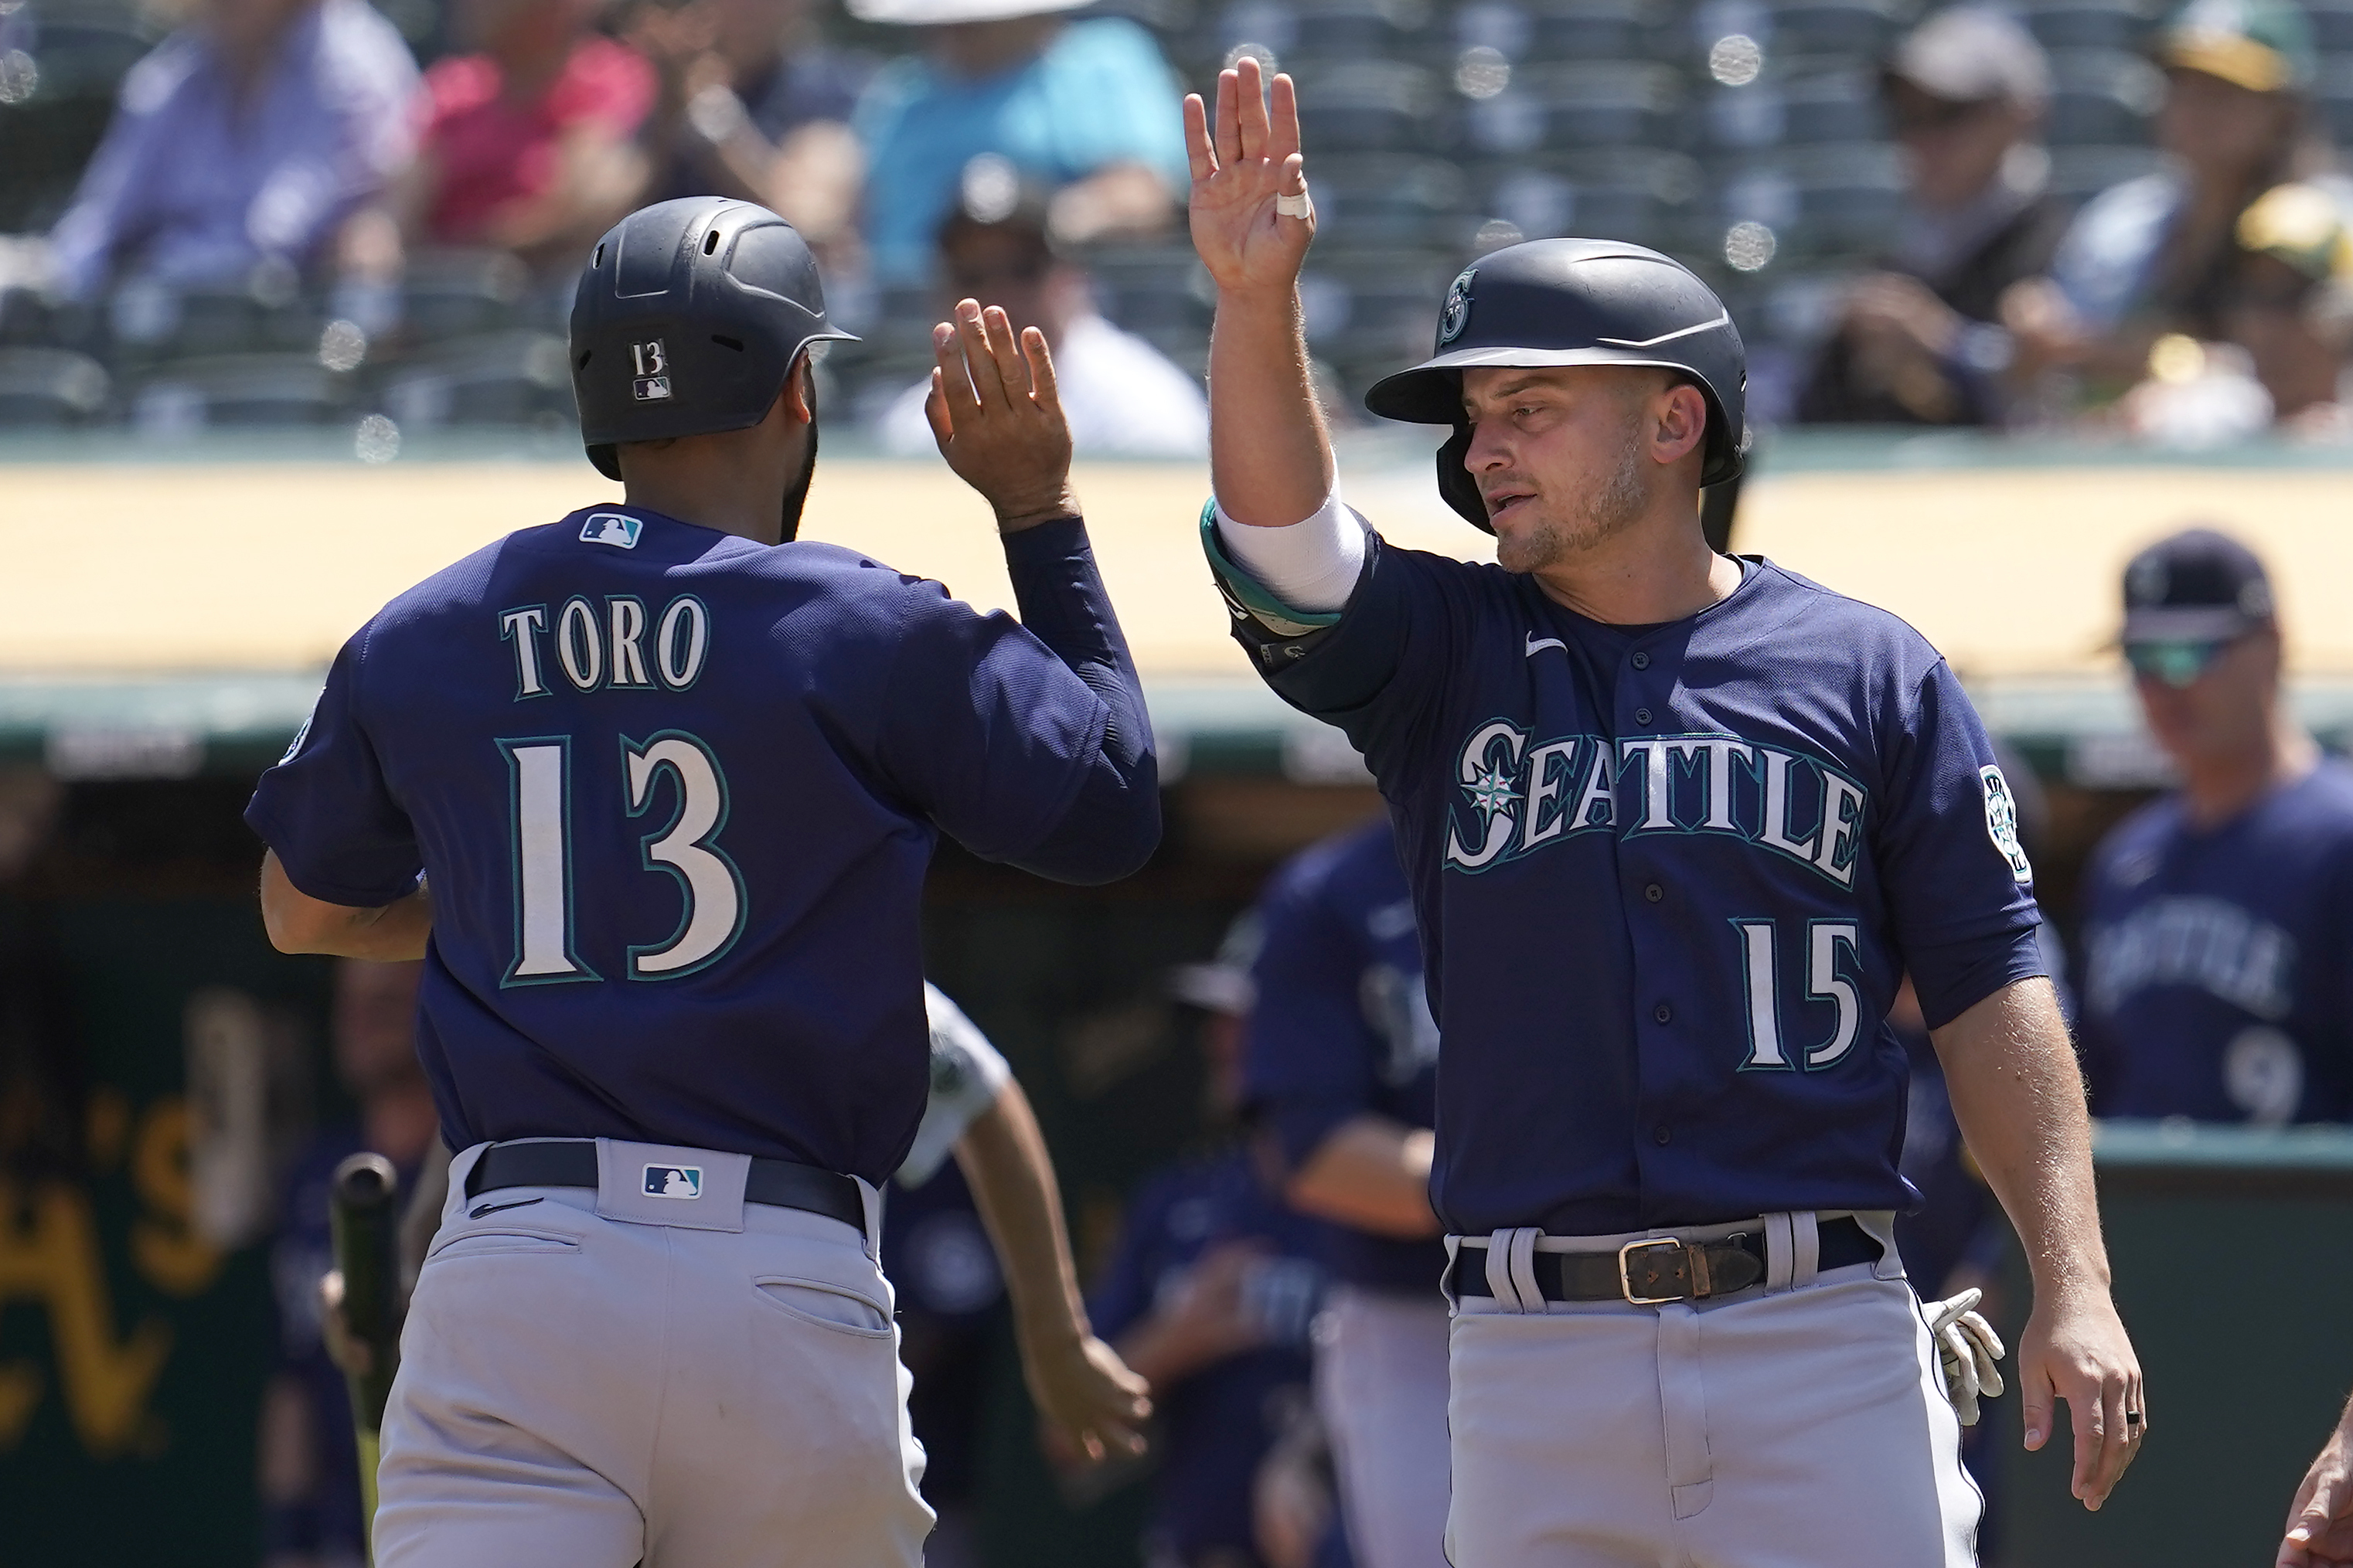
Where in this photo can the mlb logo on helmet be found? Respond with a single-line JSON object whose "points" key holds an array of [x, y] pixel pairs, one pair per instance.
{"points": [[617, 529], [652, 363], [673, 1181]]}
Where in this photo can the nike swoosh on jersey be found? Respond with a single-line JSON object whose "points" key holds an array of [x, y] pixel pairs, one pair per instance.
{"points": [[1537, 644]]}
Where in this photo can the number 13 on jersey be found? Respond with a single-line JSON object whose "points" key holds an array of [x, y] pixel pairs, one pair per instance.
{"points": [[540, 803]]}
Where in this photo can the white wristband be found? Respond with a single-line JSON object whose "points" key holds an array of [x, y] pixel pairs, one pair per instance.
{"points": [[1311, 564]]}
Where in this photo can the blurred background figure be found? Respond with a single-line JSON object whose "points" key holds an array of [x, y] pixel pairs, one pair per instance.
{"points": [[754, 104], [1916, 341], [2287, 316], [2154, 255], [2217, 918], [1209, 1297], [1124, 397], [1341, 1076], [308, 1470], [527, 146], [246, 141], [1088, 109]]}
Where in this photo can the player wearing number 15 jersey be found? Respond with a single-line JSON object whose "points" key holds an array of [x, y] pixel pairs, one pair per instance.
{"points": [[662, 784]]}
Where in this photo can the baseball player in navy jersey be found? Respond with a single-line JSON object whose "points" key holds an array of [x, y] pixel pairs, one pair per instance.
{"points": [[2216, 917], [1340, 1069], [653, 790], [1677, 825]]}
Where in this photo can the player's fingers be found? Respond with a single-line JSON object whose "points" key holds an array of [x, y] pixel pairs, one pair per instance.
{"points": [[1229, 130], [1197, 146], [935, 412], [2035, 1395], [1040, 360], [1004, 349], [1283, 138], [2099, 1421], [972, 332], [1254, 126], [955, 377]]}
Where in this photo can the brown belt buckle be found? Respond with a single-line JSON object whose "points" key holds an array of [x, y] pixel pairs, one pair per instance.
{"points": [[1625, 1274]]}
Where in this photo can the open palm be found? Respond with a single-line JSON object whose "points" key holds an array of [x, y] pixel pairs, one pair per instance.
{"points": [[1237, 172]]}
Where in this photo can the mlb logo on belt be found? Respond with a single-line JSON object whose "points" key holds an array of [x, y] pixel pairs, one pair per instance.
{"points": [[617, 529], [673, 1181]]}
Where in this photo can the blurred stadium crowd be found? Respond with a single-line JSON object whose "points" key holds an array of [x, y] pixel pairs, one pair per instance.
{"points": [[2077, 213]]}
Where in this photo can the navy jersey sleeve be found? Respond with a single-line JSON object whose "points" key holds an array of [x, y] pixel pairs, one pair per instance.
{"points": [[1003, 732], [325, 807], [1307, 1059], [1376, 667], [1123, 1297], [1957, 882]]}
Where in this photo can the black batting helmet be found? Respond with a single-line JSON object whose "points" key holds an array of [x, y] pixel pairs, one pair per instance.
{"points": [[1574, 301], [688, 317]]}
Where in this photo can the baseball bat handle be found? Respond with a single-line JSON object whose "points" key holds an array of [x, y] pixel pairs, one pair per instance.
{"points": [[364, 1214]]}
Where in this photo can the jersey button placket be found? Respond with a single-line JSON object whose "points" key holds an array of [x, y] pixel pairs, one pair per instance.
{"points": [[1639, 659], [1663, 1014], [1654, 892], [1641, 715]]}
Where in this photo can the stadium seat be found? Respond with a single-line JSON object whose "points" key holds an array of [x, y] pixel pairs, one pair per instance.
{"points": [[154, 321], [459, 293], [1641, 196], [1367, 106], [2101, 97], [1860, 30], [2079, 174], [48, 388], [1497, 25], [1151, 290], [1816, 201], [2332, 26], [1785, 108], [254, 389], [1622, 103], [1390, 200], [1581, 30], [2088, 24], [516, 377], [1374, 307]]}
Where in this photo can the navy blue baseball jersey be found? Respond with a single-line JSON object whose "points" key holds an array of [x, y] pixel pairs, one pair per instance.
{"points": [[2215, 977], [674, 793], [1342, 1028], [1218, 1422], [1668, 878]]}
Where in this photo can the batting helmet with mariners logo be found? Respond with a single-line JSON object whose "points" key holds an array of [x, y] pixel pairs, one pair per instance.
{"points": [[1574, 301], [688, 317]]}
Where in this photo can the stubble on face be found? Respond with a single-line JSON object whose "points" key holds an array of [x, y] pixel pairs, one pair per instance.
{"points": [[1615, 506]]}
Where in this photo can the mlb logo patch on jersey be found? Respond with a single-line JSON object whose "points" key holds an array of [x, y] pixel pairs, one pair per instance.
{"points": [[673, 1181], [614, 528], [2001, 821]]}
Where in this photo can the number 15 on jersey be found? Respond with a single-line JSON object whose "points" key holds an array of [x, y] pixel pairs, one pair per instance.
{"points": [[540, 791]]}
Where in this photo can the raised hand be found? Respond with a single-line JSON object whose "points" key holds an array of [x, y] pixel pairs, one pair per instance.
{"points": [[1252, 159], [998, 419]]}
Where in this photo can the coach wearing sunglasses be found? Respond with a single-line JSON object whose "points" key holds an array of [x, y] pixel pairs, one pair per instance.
{"points": [[2217, 916], [1964, 96]]}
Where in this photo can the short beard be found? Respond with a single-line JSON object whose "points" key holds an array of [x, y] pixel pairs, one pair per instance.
{"points": [[1609, 511], [797, 497]]}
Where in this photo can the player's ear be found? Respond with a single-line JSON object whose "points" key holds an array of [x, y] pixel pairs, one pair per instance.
{"points": [[798, 393], [1681, 427]]}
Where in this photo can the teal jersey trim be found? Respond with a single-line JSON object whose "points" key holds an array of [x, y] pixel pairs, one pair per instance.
{"points": [[1248, 593]]}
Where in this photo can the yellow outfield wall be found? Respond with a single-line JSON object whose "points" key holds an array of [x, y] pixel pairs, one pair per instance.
{"points": [[269, 566]]}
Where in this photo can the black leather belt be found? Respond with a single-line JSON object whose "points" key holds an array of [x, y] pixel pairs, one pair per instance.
{"points": [[572, 1163], [1666, 1269]]}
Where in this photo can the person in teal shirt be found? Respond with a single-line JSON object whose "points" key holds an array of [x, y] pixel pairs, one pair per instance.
{"points": [[1088, 109]]}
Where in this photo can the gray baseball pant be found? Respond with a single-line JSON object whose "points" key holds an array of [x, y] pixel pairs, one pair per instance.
{"points": [[1798, 1424], [1380, 1386], [602, 1389]]}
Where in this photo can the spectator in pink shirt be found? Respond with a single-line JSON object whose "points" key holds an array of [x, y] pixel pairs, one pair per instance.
{"points": [[527, 146]]}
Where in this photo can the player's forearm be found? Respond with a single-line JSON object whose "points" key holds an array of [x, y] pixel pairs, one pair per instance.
{"points": [[1004, 1160], [298, 923], [2019, 1098], [1269, 456], [1372, 1174], [1113, 824]]}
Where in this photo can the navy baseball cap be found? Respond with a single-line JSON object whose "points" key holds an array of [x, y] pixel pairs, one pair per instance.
{"points": [[2201, 585]]}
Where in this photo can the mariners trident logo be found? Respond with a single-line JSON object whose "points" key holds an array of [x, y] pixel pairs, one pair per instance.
{"points": [[1455, 314]]}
